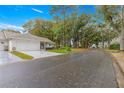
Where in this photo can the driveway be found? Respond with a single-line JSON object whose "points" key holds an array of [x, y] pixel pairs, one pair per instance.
{"points": [[41, 54], [6, 57], [87, 69]]}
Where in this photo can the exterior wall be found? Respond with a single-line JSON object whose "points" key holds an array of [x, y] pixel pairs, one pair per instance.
{"points": [[26, 45], [3, 45], [21, 45], [105, 45], [115, 40], [10, 45]]}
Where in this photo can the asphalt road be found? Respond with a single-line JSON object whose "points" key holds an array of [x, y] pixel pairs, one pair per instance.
{"points": [[87, 69]]}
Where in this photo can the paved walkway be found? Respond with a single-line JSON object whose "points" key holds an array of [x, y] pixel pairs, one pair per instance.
{"points": [[41, 54], [87, 69], [6, 57]]}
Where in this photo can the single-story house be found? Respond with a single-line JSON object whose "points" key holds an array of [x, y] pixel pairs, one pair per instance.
{"points": [[115, 40], [11, 40]]}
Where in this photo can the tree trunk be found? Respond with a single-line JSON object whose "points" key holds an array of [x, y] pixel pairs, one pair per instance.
{"points": [[102, 40], [122, 32], [108, 38], [122, 40]]}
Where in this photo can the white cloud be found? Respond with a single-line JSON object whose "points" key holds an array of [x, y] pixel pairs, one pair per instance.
{"points": [[36, 10], [11, 27]]}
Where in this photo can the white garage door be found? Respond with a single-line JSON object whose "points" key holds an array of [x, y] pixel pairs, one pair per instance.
{"points": [[26, 45]]}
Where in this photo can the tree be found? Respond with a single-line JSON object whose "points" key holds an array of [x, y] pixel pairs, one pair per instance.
{"points": [[63, 12], [109, 17], [40, 27], [70, 27], [29, 25]]}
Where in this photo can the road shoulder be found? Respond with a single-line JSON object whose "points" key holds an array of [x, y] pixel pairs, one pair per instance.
{"points": [[119, 67]]}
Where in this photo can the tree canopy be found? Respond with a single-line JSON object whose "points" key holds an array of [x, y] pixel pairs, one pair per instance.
{"points": [[71, 27]]}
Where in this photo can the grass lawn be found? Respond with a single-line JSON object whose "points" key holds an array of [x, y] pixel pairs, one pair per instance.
{"points": [[77, 50], [21, 55], [73, 50], [58, 51], [112, 50]]}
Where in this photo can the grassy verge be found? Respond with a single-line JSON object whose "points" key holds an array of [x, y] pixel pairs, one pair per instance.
{"points": [[73, 50], [77, 50], [112, 50], [59, 51], [21, 55]]}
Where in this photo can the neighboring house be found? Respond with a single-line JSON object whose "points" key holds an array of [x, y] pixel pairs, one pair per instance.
{"points": [[11, 40], [100, 45], [115, 40]]}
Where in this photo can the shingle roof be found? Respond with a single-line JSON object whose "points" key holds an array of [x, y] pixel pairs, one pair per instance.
{"points": [[26, 36]]}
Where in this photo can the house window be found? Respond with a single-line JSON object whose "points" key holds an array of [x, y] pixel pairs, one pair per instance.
{"points": [[2, 42]]}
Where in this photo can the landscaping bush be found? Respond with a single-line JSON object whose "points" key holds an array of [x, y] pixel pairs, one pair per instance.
{"points": [[115, 46], [67, 48]]}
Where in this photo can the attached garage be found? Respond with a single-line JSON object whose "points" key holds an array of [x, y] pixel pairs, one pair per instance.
{"points": [[11, 40], [27, 45]]}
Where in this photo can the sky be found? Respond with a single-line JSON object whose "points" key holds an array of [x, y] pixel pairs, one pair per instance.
{"points": [[17, 15]]}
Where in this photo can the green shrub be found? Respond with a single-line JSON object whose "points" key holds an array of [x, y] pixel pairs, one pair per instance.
{"points": [[67, 48], [115, 46]]}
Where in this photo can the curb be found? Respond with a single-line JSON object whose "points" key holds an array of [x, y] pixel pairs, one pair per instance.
{"points": [[116, 62], [120, 67]]}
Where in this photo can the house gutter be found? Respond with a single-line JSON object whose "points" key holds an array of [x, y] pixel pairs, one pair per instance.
{"points": [[49, 41]]}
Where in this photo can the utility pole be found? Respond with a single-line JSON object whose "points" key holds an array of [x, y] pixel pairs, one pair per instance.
{"points": [[122, 30]]}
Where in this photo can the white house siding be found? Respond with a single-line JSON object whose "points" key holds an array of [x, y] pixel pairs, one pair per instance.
{"points": [[27, 45], [115, 40], [3, 45]]}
